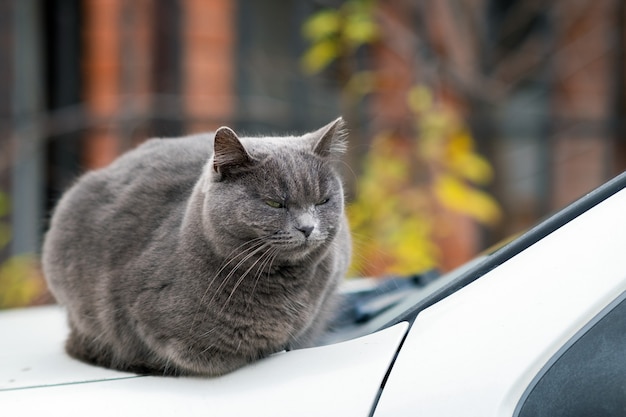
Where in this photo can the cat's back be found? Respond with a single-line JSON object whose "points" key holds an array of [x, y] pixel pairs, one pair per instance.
{"points": [[158, 164], [157, 170], [115, 210]]}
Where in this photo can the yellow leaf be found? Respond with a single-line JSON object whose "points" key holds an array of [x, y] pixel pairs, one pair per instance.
{"points": [[362, 83], [5, 204], [319, 56], [322, 24], [464, 162], [20, 281], [461, 142], [450, 192], [483, 207], [419, 99], [359, 30], [5, 234], [472, 167], [459, 197]]}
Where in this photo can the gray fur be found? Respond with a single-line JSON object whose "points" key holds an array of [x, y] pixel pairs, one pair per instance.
{"points": [[178, 260]]}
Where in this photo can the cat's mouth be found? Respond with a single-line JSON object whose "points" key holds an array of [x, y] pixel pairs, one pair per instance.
{"points": [[294, 244]]}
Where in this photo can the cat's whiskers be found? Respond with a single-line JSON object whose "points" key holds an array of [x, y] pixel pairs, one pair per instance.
{"points": [[205, 350], [355, 177], [367, 263], [237, 252], [240, 251], [260, 260], [230, 259], [233, 270], [208, 332], [166, 366], [273, 254]]}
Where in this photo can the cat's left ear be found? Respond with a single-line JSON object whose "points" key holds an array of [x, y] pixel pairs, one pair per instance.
{"points": [[331, 139], [229, 154]]}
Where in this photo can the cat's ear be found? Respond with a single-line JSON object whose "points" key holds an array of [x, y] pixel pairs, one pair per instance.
{"points": [[229, 154], [331, 139]]}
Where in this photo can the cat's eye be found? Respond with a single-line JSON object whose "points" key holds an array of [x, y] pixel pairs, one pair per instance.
{"points": [[274, 203], [323, 201]]}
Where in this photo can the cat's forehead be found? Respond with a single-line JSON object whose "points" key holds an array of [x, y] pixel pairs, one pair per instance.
{"points": [[288, 167], [269, 145], [294, 174], [294, 163]]}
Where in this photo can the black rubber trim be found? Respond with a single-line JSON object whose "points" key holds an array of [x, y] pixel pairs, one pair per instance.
{"points": [[386, 377]]}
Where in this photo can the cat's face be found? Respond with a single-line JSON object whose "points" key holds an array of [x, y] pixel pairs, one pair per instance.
{"points": [[288, 198], [293, 204]]}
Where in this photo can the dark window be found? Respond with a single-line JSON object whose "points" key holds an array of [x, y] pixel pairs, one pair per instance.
{"points": [[588, 377]]}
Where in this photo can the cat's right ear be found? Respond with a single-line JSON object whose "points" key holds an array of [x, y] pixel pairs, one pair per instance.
{"points": [[229, 154], [332, 139]]}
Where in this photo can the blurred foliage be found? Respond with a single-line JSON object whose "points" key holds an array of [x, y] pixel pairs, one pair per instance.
{"points": [[405, 186], [5, 229], [458, 171], [336, 32], [21, 280]]}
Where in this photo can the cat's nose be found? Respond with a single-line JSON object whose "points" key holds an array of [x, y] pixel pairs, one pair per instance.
{"points": [[306, 230]]}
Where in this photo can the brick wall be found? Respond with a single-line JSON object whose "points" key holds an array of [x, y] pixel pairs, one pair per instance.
{"points": [[209, 39], [101, 70], [120, 70], [582, 99]]}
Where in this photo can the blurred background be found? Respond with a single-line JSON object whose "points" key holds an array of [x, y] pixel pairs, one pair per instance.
{"points": [[470, 119]]}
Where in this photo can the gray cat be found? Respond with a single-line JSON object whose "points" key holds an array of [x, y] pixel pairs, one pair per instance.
{"points": [[198, 255]]}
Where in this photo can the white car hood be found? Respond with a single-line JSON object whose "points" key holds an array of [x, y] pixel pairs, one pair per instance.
{"points": [[38, 378]]}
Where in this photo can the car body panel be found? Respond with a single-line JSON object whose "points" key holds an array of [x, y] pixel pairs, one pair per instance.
{"points": [[32, 355], [37, 377], [475, 352]]}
